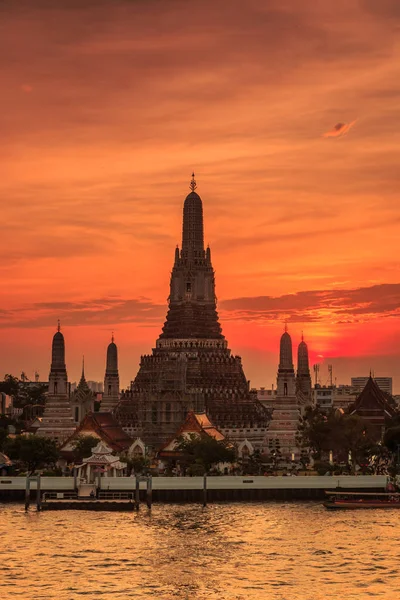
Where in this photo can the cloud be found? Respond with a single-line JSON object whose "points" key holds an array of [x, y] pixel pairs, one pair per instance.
{"points": [[334, 306], [339, 130], [97, 312]]}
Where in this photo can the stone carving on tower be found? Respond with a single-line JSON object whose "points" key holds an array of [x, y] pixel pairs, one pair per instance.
{"points": [[57, 421], [286, 382], [303, 378], [285, 406], [191, 368], [111, 379], [82, 399]]}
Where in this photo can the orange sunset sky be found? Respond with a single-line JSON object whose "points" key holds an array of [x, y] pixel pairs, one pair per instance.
{"points": [[107, 107]]}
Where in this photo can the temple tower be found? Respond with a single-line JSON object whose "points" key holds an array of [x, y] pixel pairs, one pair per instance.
{"points": [[111, 379], [191, 368], [280, 439], [57, 420], [286, 382], [303, 379], [82, 400]]}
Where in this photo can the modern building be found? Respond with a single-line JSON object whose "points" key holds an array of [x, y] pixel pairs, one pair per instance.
{"points": [[191, 367], [385, 383]]}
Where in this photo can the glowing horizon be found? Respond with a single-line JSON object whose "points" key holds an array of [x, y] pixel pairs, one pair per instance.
{"points": [[288, 115]]}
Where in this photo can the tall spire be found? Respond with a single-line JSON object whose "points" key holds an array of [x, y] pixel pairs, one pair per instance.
{"points": [[192, 230], [193, 184], [83, 367], [111, 379], [285, 353], [58, 351], [303, 369], [58, 325]]}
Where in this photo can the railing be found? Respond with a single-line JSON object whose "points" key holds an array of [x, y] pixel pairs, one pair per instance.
{"points": [[116, 496], [59, 496]]}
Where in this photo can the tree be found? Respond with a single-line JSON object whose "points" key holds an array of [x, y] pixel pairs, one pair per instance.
{"points": [[10, 385], [337, 432], [3, 437], [205, 450], [33, 452], [315, 431], [83, 447]]}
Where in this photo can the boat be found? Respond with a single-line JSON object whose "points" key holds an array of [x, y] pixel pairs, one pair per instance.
{"points": [[356, 500]]}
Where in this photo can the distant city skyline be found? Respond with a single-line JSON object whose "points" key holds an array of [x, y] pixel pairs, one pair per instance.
{"points": [[287, 112]]}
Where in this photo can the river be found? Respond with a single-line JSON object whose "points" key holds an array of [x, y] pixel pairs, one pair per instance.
{"points": [[291, 551]]}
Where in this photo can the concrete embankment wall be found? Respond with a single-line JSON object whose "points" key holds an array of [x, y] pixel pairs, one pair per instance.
{"points": [[224, 488]]}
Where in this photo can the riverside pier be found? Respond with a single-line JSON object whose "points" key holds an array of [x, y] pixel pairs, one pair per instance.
{"points": [[111, 493]]}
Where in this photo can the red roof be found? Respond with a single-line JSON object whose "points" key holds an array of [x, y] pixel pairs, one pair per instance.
{"points": [[104, 426], [194, 423]]}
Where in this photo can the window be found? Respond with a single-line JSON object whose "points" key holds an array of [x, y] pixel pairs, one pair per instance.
{"points": [[76, 414], [285, 389], [109, 389], [188, 286], [55, 387]]}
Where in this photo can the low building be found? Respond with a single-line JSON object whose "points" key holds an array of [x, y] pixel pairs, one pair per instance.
{"points": [[105, 428], [194, 424], [101, 463]]}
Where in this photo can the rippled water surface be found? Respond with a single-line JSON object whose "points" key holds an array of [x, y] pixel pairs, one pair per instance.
{"points": [[227, 551]]}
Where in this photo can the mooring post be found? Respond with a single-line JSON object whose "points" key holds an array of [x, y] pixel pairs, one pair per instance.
{"points": [[75, 474], [149, 492], [137, 493], [27, 493], [38, 494], [205, 490]]}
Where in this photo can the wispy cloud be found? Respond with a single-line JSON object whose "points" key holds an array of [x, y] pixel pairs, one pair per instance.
{"points": [[334, 306], [339, 130]]}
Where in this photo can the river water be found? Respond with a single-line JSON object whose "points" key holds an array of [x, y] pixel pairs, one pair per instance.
{"points": [[296, 551]]}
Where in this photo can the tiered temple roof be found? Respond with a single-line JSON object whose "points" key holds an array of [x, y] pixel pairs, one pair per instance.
{"points": [[194, 424], [103, 426], [191, 368], [373, 404]]}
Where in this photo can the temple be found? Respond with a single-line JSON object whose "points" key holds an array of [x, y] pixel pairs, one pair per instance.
{"points": [[111, 379], [303, 377], [375, 406], [293, 394], [82, 399], [57, 421], [191, 368]]}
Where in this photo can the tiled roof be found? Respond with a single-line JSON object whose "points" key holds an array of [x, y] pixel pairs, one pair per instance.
{"points": [[104, 426], [372, 401], [194, 423]]}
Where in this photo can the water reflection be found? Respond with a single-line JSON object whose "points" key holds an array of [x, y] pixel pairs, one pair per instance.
{"points": [[236, 551]]}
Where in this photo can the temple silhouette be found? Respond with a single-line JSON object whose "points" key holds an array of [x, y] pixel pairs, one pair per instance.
{"points": [[191, 367]]}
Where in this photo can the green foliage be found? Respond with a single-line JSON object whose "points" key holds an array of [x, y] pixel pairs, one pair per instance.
{"points": [[135, 464], [83, 447], [339, 433], [392, 438], [205, 451], [196, 470], [3, 437], [10, 385], [32, 452]]}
